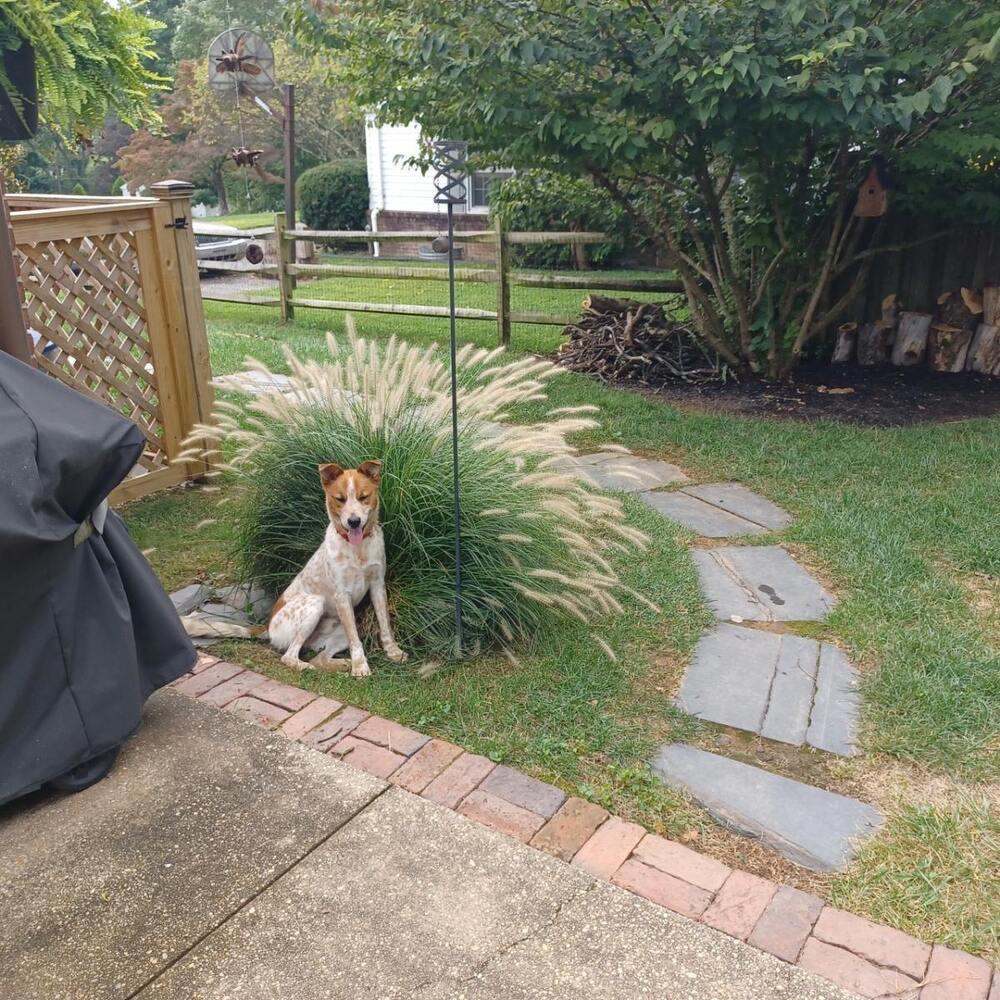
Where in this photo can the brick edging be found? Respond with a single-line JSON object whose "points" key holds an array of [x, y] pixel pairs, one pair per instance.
{"points": [[870, 959]]}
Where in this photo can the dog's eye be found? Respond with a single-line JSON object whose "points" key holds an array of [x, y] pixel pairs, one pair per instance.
{"points": [[340, 499], [364, 496]]}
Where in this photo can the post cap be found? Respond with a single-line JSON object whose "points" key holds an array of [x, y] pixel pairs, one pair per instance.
{"points": [[172, 187]]}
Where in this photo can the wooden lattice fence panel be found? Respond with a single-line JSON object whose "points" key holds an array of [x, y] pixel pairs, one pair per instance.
{"points": [[84, 299], [102, 289]]}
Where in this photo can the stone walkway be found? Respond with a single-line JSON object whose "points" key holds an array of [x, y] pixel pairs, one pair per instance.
{"points": [[720, 510], [780, 686], [868, 959], [776, 685], [811, 826], [609, 470], [759, 584]]}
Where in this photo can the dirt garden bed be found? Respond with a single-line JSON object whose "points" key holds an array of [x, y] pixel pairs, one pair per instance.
{"points": [[869, 397]]}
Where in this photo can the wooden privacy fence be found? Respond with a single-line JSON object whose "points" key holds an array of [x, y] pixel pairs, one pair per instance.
{"points": [[501, 274], [962, 256], [110, 287]]}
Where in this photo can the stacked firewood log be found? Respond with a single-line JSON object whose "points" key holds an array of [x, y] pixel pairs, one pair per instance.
{"points": [[962, 334], [621, 339]]}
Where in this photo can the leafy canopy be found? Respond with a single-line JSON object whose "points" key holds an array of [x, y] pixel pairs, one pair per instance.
{"points": [[735, 131]]}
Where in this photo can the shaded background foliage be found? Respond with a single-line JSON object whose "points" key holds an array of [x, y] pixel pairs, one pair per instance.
{"points": [[537, 200]]}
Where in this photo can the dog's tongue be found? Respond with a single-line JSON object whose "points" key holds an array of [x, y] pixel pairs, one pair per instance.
{"points": [[355, 536]]}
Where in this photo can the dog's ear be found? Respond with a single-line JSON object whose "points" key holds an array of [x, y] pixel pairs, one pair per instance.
{"points": [[372, 469], [329, 472]]}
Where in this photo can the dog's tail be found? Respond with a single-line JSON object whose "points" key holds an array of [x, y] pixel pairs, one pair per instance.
{"points": [[202, 627]]}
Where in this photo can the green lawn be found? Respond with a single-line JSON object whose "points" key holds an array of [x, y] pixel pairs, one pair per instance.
{"points": [[897, 521], [244, 220], [391, 290]]}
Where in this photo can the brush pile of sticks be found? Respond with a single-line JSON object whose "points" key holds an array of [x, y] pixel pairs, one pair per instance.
{"points": [[625, 340]]}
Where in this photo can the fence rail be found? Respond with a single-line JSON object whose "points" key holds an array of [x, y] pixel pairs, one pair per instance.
{"points": [[110, 287], [501, 274]]}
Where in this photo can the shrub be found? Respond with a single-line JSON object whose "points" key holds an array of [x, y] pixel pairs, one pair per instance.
{"points": [[537, 200], [205, 196], [536, 542], [334, 196]]}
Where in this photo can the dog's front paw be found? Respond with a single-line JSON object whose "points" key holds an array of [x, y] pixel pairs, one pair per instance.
{"points": [[396, 654], [361, 669]]}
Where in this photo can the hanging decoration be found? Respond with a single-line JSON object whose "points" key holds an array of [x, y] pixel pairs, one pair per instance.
{"points": [[241, 63], [244, 157]]}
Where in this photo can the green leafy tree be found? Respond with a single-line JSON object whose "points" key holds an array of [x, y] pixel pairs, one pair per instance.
{"points": [[735, 134], [197, 22], [540, 199], [92, 58]]}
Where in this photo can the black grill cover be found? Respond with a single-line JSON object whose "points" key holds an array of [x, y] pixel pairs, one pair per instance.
{"points": [[86, 631]]}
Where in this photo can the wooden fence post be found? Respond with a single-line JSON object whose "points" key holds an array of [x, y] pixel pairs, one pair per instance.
{"points": [[503, 285], [284, 277], [13, 328], [156, 256], [177, 197]]}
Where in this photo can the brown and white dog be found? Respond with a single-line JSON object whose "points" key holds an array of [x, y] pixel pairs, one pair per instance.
{"points": [[317, 608]]}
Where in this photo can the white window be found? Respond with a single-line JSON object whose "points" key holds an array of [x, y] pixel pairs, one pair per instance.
{"points": [[481, 183]]}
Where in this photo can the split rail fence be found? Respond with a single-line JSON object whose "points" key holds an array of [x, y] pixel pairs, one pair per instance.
{"points": [[500, 272], [110, 291]]}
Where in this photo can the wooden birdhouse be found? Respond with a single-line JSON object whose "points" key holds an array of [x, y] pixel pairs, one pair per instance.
{"points": [[873, 195]]}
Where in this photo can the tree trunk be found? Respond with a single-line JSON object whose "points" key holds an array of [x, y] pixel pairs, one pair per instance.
{"points": [[984, 352], [847, 339], [948, 347], [219, 183], [911, 339], [874, 341]]}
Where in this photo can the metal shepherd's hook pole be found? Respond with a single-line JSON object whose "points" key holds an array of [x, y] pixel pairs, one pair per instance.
{"points": [[454, 430], [449, 183]]}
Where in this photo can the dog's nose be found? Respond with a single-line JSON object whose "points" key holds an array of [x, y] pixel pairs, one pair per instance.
{"points": [[354, 522]]}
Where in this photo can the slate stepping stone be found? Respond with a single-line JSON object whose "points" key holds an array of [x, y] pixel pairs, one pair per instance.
{"points": [[782, 687], [246, 597], [742, 502], [810, 826], [188, 598], [253, 383], [761, 584], [609, 470], [702, 518]]}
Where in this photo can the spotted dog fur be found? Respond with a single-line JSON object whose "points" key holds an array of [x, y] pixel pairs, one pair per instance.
{"points": [[316, 610]]}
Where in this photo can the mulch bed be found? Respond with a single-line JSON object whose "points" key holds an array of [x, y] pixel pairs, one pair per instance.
{"points": [[880, 397]]}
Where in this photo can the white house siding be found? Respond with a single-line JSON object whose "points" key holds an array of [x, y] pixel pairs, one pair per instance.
{"points": [[402, 198], [396, 187]]}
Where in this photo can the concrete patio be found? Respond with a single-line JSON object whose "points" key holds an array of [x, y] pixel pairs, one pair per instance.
{"points": [[220, 860]]}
